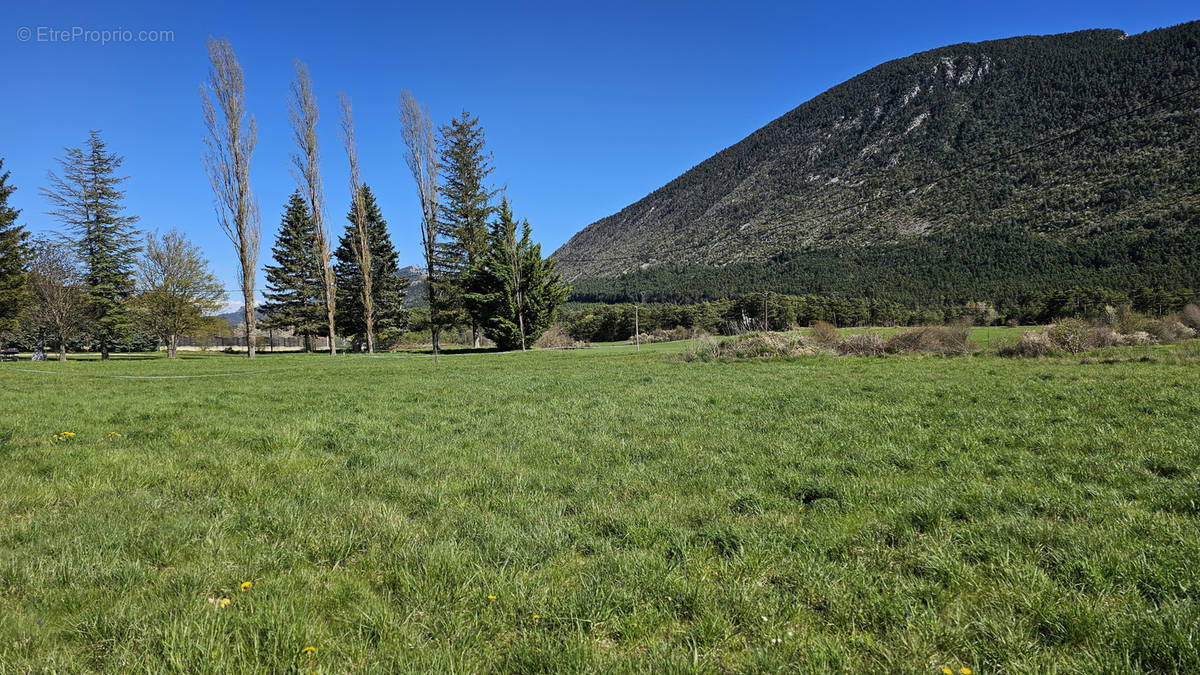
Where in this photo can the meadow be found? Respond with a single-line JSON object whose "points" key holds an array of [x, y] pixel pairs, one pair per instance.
{"points": [[602, 510]]}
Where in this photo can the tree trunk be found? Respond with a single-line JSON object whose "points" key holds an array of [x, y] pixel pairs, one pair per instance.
{"points": [[475, 338], [103, 348], [248, 297], [172, 343], [62, 349]]}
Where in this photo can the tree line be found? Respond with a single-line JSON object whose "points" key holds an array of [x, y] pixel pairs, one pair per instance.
{"points": [[105, 280]]}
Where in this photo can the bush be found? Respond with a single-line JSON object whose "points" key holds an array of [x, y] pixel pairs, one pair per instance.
{"points": [[1191, 316], [749, 346], [1031, 344], [1140, 338], [943, 340], [1169, 330], [674, 335], [1103, 336], [823, 333], [1069, 335], [557, 338], [862, 344]]}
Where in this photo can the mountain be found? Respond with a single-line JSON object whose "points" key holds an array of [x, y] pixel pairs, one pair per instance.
{"points": [[417, 294], [916, 180]]}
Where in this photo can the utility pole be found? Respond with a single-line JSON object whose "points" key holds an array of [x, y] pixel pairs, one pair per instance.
{"points": [[766, 322]]}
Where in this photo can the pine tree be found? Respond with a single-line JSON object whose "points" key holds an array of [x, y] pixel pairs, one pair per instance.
{"points": [[512, 292], [87, 198], [13, 257], [294, 295], [466, 205], [387, 288]]}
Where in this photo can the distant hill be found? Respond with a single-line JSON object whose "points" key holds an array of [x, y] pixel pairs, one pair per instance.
{"points": [[882, 185]]}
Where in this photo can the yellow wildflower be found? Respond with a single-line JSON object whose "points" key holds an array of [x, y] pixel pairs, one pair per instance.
{"points": [[246, 585], [947, 671], [536, 617], [965, 671], [224, 603], [491, 597], [308, 650]]}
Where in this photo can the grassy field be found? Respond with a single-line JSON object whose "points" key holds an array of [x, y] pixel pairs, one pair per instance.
{"points": [[602, 510]]}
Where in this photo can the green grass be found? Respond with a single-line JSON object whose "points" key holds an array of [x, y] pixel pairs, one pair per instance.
{"points": [[813, 514]]}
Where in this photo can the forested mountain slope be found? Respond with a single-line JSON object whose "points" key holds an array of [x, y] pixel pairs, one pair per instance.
{"points": [[894, 169]]}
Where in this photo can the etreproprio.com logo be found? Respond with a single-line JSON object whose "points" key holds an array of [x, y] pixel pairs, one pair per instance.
{"points": [[99, 36]]}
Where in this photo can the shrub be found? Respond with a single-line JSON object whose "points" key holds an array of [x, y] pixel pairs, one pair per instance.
{"points": [[1031, 344], [676, 334], [823, 333], [862, 344], [1140, 337], [1103, 336], [1169, 330], [557, 338], [749, 346], [943, 340], [1191, 316], [1070, 335]]}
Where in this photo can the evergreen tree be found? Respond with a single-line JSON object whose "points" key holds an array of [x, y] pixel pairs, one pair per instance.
{"points": [[294, 295], [13, 257], [387, 286], [466, 205], [512, 292], [87, 198]]}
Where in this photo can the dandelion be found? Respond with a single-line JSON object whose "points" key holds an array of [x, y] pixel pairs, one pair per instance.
{"points": [[536, 617], [947, 671], [308, 650], [965, 671], [113, 434], [491, 597], [68, 434], [224, 603], [246, 585]]}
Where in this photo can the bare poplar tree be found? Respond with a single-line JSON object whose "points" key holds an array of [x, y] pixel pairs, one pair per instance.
{"points": [[421, 155], [232, 136], [304, 114], [360, 244]]}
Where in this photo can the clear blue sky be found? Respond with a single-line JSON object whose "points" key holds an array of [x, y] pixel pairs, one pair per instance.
{"points": [[588, 106]]}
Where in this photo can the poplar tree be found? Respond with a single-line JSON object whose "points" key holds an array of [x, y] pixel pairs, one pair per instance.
{"points": [[13, 257], [87, 199], [294, 297], [466, 204], [512, 292], [388, 287]]}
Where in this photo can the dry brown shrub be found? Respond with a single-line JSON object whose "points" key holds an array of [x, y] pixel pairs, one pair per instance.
{"points": [[823, 333], [1031, 344], [942, 340], [1191, 316], [862, 344], [557, 338], [749, 346]]}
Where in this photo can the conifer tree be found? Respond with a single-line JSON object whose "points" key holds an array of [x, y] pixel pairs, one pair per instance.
{"points": [[388, 287], [13, 257], [513, 292], [87, 199], [295, 290], [466, 205]]}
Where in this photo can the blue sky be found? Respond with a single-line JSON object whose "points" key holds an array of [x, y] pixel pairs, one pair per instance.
{"points": [[587, 105]]}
